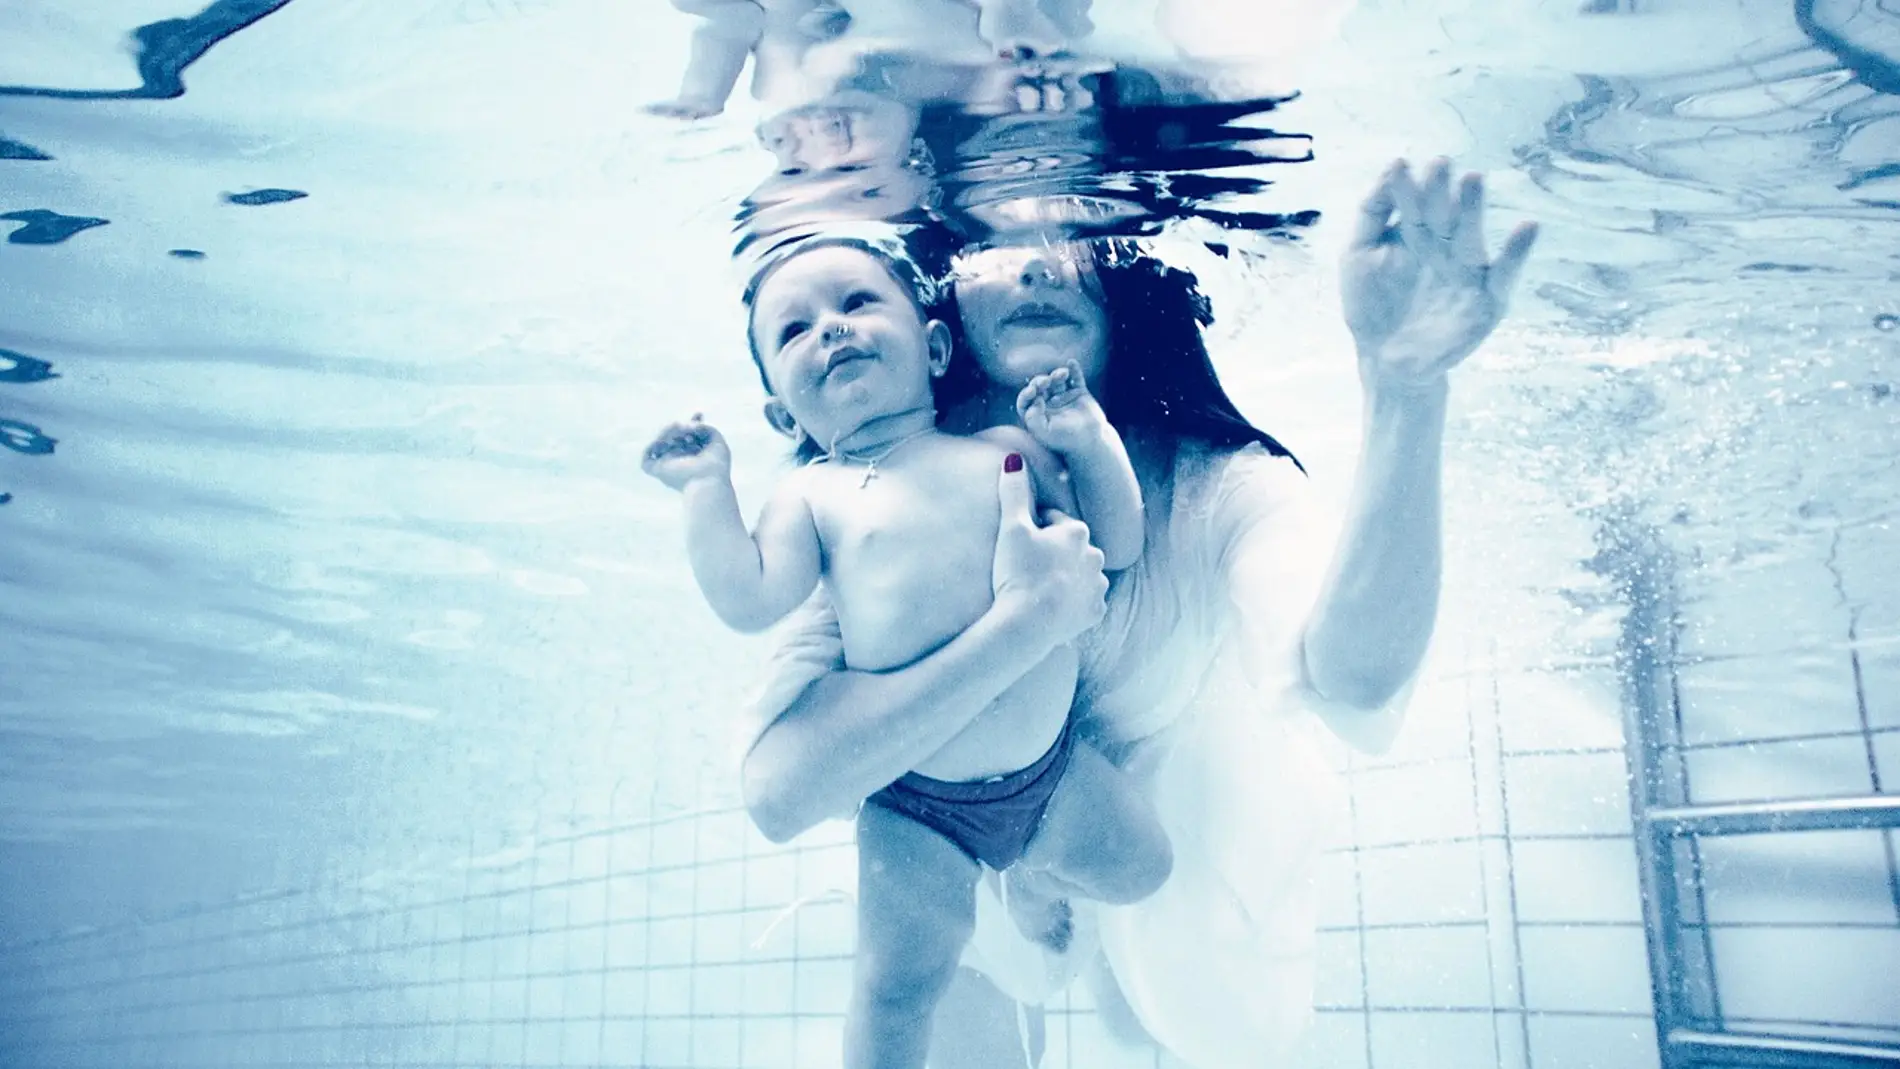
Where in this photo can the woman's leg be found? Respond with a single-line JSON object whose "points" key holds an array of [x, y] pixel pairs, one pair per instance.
{"points": [[1099, 835], [916, 909]]}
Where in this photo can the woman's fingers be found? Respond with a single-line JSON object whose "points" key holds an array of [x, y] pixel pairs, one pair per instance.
{"points": [[1435, 199], [1409, 201], [1467, 226], [1502, 278], [1375, 213]]}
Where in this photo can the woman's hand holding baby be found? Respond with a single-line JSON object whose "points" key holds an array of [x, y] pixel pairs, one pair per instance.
{"points": [[684, 453], [1049, 573]]}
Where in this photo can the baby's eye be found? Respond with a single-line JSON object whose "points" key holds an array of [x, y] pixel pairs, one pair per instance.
{"points": [[859, 300], [790, 333]]}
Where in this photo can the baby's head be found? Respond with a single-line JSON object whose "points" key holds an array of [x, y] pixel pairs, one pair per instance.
{"points": [[841, 334]]}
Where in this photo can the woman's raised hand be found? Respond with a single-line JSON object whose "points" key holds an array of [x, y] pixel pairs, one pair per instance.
{"points": [[1420, 291], [1051, 572]]}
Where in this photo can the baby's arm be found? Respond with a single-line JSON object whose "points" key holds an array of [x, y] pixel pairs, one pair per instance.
{"points": [[751, 579], [1059, 412]]}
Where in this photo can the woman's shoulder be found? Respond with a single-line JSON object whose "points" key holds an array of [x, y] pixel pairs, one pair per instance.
{"points": [[1214, 473]]}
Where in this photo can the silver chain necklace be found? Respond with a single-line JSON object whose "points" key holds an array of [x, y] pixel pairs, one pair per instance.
{"points": [[871, 462]]}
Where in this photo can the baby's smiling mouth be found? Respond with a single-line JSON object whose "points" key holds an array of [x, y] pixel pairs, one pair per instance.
{"points": [[846, 355]]}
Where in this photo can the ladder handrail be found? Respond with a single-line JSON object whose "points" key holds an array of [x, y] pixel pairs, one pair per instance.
{"points": [[1869, 811], [1760, 1049]]}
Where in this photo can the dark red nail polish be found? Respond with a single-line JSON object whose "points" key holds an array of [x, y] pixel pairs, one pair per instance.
{"points": [[1013, 463]]}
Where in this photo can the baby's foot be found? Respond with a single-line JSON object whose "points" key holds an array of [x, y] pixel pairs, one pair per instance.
{"points": [[1041, 913], [1018, 29]]}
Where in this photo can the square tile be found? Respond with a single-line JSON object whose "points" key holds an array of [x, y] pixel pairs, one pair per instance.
{"points": [[622, 1041], [1846, 975], [1733, 699], [625, 944], [1336, 888], [1335, 1041], [768, 988], [1567, 794], [675, 843], [828, 927], [823, 985], [1887, 759], [720, 938], [1414, 804], [1340, 979], [1728, 618], [1427, 884], [1417, 1040], [670, 941], [1812, 877], [771, 879], [1879, 655], [1559, 1042], [1812, 768], [1428, 967], [766, 1043], [721, 887], [827, 868], [1591, 969], [719, 990], [715, 1043], [667, 1042], [1437, 724], [819, 1042], [1579, 710], [1577, 880], [669, 992]]}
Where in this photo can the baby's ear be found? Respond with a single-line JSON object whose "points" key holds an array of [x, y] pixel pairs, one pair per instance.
{"points": [[781, 419], [937, 337]]}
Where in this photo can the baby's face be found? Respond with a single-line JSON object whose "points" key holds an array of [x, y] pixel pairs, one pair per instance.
{"points": [[842, 342]]}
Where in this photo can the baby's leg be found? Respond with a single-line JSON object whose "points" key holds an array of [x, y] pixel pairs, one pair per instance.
{"points": [[916, 910], [1099, 835], [722, 43]]}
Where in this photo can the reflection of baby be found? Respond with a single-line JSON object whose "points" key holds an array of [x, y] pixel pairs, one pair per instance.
{"points": [[777, 33], [898, 520]]}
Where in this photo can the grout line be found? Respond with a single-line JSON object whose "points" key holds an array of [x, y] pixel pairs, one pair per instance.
{"points": [[1510, 872]]}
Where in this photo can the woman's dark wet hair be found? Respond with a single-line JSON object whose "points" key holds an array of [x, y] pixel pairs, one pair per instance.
{"points": [[1159, 375]]}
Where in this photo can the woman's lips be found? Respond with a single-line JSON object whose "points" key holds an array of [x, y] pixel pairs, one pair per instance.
{"points": [[1038, 315]]}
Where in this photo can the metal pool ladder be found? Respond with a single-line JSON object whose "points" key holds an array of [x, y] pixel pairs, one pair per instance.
{"points": [[1688, 1020]]}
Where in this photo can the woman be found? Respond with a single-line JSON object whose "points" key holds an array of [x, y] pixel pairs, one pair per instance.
{"points": [[1198, 669]]}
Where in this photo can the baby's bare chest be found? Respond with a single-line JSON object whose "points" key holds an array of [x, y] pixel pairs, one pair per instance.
{"points": [[920, 525]]}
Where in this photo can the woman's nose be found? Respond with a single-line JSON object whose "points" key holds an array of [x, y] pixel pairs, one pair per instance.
{"points": [[1037, 273]]}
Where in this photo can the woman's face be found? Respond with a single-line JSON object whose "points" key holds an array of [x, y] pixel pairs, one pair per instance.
{"points": [[1030, 310]]}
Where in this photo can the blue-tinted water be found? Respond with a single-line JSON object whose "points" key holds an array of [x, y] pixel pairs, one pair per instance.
{"points": [[329, 335]]}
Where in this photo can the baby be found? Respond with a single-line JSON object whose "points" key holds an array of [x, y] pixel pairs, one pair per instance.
{"points": [[898, 520], [775, 34]]}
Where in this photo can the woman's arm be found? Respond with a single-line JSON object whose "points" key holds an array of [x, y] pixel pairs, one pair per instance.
{"points": [[848, 734], [1421, 294]]}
